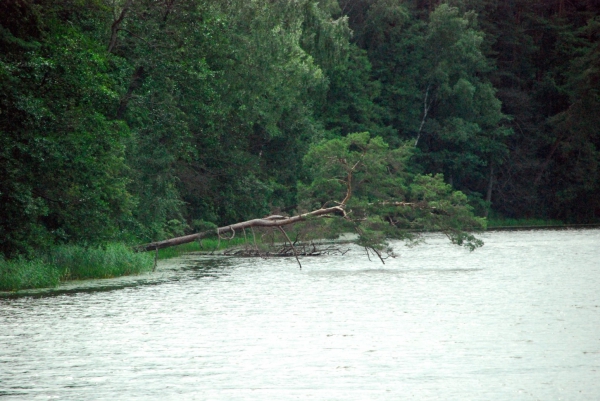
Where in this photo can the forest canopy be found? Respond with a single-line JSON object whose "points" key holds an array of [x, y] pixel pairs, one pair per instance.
{"points": [[136, 121]]}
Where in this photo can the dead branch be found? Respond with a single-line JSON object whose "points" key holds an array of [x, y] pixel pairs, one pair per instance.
{"points": [[292, 245], [286, 251]]}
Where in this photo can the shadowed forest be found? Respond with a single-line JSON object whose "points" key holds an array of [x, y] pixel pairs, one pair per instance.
{"points": [[136, 121]]}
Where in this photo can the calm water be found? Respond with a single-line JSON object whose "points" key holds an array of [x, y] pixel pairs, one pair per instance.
{"points": [[516, 320]]}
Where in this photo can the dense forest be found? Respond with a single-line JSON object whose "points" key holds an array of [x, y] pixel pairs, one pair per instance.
{"points": [[139, 120]]}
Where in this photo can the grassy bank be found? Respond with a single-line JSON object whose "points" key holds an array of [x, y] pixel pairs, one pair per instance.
{"points": [[71, 262], [497, 222]]}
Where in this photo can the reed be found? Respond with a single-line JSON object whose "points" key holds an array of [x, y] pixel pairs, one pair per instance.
{"points": [[112, 260], [71, 262], [20, 273]]}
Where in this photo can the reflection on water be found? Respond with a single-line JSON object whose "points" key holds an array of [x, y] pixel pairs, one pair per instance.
{"points": [[516, 320]]}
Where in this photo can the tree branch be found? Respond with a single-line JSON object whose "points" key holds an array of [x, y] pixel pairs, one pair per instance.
{"points": [[114, 29], [292, 245]]}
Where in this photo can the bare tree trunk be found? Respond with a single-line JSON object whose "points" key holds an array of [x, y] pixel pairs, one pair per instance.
{"points": [[561, 8], [546, 162], [488, 195], [271, 221], [169, 4], [426, 108], [136, 82]]}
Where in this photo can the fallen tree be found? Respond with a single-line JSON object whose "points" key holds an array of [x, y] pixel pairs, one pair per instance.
{"points": [[270, 221], [380, 200]]}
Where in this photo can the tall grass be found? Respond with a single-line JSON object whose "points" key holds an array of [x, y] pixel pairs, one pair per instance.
{"points": [[70, 262], [21, 273], [113, 260]]}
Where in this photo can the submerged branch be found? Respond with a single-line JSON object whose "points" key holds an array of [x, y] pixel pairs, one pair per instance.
{"points": [[291, 245]]}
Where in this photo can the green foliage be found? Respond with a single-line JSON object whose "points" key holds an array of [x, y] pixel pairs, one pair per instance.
{"points": [[381, 198], [544, 53], [150, 118], [350, 105], [135, 120], [60, 154], [575, 129], [435, 90], [266, 82]]}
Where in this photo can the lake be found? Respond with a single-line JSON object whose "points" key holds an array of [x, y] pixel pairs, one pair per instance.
{"points": [[518, 319]]}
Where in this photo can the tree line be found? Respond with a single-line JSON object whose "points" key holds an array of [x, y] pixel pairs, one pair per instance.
{"points": [[140, 120]]}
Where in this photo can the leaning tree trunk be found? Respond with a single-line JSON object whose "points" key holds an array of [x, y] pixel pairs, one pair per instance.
{"points": [[270, 221]]}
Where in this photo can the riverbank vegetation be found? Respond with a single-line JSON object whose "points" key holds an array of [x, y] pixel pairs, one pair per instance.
{"points": [[137, 121], [514, 223], [72, 262]]}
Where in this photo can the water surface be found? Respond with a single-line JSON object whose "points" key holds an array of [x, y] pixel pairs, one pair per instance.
{"points": [[518, 319]]}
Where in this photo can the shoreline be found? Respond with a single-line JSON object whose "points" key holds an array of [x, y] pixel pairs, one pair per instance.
{"points": [[64, 285], [549, 227]]}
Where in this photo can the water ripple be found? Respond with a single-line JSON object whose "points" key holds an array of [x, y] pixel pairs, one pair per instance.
{"points": [[516, 320]]}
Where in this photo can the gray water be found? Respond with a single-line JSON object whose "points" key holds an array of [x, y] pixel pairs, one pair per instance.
{"points": [[518, 319]]}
